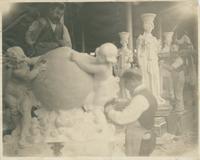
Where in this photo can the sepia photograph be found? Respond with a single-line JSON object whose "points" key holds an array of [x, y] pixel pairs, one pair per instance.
{"points": [[100, 79]]}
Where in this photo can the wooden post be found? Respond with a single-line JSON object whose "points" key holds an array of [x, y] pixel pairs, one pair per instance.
{"points": [[129, 24], [160, 28], [83, 39]]}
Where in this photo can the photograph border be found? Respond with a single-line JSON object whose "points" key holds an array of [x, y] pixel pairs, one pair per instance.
{"points": [[4, 4]]}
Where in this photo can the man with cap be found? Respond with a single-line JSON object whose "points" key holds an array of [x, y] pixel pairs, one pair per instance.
{"points": [[176, 65], [148, 48], [48, 32], [138, 116]]}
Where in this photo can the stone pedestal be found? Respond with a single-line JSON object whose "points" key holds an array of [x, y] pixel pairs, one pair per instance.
{"points": [[160, 126], [160, 123]]}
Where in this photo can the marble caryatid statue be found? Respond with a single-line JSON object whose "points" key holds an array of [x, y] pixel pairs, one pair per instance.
{"points": [[125, 54], [125, 58], [165, 75], [148, 48]]}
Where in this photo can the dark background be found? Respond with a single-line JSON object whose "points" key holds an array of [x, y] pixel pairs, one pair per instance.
{"points": [[91, 24]]}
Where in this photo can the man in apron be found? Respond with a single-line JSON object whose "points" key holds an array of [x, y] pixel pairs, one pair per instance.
{"points": [[138, 116]]}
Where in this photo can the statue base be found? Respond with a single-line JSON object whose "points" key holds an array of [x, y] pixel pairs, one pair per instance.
{"points": [[162, 113]]}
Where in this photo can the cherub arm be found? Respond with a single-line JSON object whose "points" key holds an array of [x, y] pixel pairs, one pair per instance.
{"points": [[90, 67], [87, 65], [33, 60], [26, 74], [87, 57]]}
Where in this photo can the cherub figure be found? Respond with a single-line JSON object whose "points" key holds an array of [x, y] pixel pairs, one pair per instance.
{"points": [[105, 84], [18, 96]]}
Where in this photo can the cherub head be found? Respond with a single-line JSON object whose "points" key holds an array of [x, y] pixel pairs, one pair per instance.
{"points": [[107, 52], [16, 55]]}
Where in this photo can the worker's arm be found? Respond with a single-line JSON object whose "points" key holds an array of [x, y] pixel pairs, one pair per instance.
{"points": [[131, 113]]}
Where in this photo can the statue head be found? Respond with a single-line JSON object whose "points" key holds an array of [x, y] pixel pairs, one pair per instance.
{"points": [[168, 37], [124, 38], [148, 21], [16, 54], [107, 52]]}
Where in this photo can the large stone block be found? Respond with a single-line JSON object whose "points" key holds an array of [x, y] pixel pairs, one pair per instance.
{"points": [[63, 85]]}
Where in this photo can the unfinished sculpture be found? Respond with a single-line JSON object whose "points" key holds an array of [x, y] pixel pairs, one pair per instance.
{"points": [[62, 91], [148, 48], [87, 116]]}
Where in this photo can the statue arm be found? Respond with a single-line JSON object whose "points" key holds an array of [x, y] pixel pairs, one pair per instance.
{"points": [[139, 45], [26, 74], [33, 60], [90, 68], [85, 56], [86, 62]]}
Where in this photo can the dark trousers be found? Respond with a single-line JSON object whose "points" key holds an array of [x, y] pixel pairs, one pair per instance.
{"points": [[136, 144]]}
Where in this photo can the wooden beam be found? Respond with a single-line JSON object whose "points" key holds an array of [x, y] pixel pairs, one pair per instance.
{"points": [[129, 24]]}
